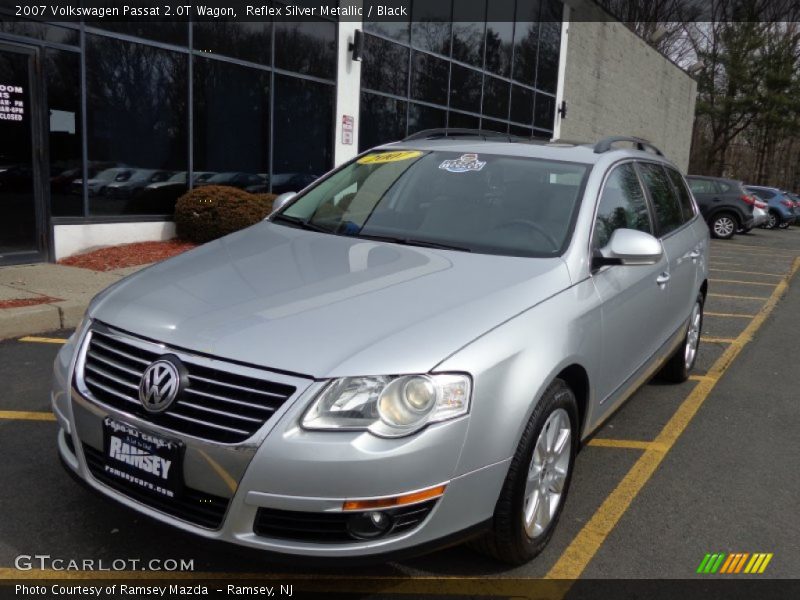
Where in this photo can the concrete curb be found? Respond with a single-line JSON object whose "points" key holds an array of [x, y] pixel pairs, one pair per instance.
{"points": [[67, 289], [29, 319], [71, 312]]}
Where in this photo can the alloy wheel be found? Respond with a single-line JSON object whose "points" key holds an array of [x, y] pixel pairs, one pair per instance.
{"points": [[547, 473], [693, 336], [724, 226], [773, 221]]}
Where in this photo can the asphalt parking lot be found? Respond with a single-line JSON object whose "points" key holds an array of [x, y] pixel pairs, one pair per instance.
{"points": [[680, 471]]}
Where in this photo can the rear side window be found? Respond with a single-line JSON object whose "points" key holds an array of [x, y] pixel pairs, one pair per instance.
{"points": [[622, 206], [684, 197], [764, 194], [667, 208], [702, 186]]}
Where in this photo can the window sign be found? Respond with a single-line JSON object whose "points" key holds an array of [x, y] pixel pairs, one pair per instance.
{"points": [[62, 121], [12, 105]]}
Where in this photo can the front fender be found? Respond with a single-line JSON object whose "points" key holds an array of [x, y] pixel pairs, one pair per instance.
{"points": [[513, 364]]}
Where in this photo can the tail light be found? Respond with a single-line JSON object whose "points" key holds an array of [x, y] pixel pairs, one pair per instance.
{"points": [[751, 200], [787, 203], [761, 205]]}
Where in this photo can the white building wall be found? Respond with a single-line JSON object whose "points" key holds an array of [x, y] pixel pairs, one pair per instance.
{"points": [[615, 84], [75, 239], [348, 91]]}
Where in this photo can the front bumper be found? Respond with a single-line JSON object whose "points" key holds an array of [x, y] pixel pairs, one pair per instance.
{"points": [[284, 468]]}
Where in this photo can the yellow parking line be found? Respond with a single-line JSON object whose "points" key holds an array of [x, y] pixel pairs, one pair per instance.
{"points": [[703, 377], [24, 415], [585, 545], [738, 297], [727, 315], [741, 282], [717, 340], [608, 443], [768, 251], [42, 340], [746, 272]]}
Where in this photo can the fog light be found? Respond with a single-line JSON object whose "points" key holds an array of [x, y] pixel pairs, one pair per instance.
{"points": [[369, 525]]}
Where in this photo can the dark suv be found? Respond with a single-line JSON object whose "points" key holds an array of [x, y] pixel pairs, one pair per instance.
{"points": [[725, 204]]}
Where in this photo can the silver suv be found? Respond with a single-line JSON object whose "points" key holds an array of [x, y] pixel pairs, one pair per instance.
{"points": [[409, 351]]}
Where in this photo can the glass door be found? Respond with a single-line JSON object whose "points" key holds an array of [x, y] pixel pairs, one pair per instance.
{"points": [[22, 220]]}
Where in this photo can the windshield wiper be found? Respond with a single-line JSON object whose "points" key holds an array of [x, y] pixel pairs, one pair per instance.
{"points": [[298, 222], [412, 242]]}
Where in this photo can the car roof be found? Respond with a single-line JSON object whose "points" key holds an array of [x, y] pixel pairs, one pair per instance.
{"points": [[712, 178], [556, 150]]}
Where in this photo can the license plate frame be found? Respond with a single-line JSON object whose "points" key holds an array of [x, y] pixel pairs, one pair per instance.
{"points": [[146, 461]]}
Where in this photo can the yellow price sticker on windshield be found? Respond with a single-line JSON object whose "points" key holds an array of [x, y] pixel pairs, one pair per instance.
{"points": [[387, 157]]}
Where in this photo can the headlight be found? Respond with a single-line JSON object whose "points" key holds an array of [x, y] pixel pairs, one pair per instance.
{"points": [[389, 406]]}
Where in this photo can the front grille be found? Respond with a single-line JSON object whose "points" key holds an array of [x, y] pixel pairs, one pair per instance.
{"points": [[193, 506], [330, 527], [217, 405]]}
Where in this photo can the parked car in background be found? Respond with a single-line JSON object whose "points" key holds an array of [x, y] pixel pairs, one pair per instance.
{"points": [[135, 183], [724, 203], [780, 206], [760, 214], [283, 182], [233, 179], [796, 199], [95, 185], [176, 185]]}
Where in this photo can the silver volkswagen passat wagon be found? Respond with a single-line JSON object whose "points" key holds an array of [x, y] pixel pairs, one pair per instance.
{"points": [[407, 353]]}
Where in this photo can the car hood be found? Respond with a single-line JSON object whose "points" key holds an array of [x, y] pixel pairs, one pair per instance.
{"points": [[326, 305]]}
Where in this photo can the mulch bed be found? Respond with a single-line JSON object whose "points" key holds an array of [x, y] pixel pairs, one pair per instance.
{"points": [[127, 255], [19, 303]]}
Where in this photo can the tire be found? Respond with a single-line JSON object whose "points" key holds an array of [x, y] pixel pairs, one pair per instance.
{"points": [[680, 364], [784, 225], [512, 539], [774, 220], [723, 225]]}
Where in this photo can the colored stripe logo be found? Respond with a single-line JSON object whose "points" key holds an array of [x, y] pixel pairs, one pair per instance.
{"points": [[734, 563]]}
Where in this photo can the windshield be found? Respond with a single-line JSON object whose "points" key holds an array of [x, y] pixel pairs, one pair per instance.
{"points": [[179, 177], [484, 203]]}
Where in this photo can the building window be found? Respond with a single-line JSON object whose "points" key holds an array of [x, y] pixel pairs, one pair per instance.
{"points": [[231, 123], [137, 122], [491, 65], [303, 132], [246, 41], [383, 118], [63, 81], [431, 26], [385, 66], [469, 31], [429, 78], [307, 47]]}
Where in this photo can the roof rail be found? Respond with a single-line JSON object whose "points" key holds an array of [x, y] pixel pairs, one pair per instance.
{"points": [[606, 144], [455, 132]]}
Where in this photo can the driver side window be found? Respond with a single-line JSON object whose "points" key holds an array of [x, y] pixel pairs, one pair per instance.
{"points": [[622, 206]]}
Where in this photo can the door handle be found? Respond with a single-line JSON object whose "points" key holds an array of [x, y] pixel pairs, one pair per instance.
{"points": [[695, 255], [662, 279]]}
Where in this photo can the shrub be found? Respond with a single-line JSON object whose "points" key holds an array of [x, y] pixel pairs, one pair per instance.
{"points": [[212, 211]]}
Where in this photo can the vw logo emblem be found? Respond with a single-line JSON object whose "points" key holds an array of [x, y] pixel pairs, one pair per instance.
{"points": [[161, 382]]}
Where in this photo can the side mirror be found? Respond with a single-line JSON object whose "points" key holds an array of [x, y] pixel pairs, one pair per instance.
{"points": [[629, 247], [282, 201]]}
